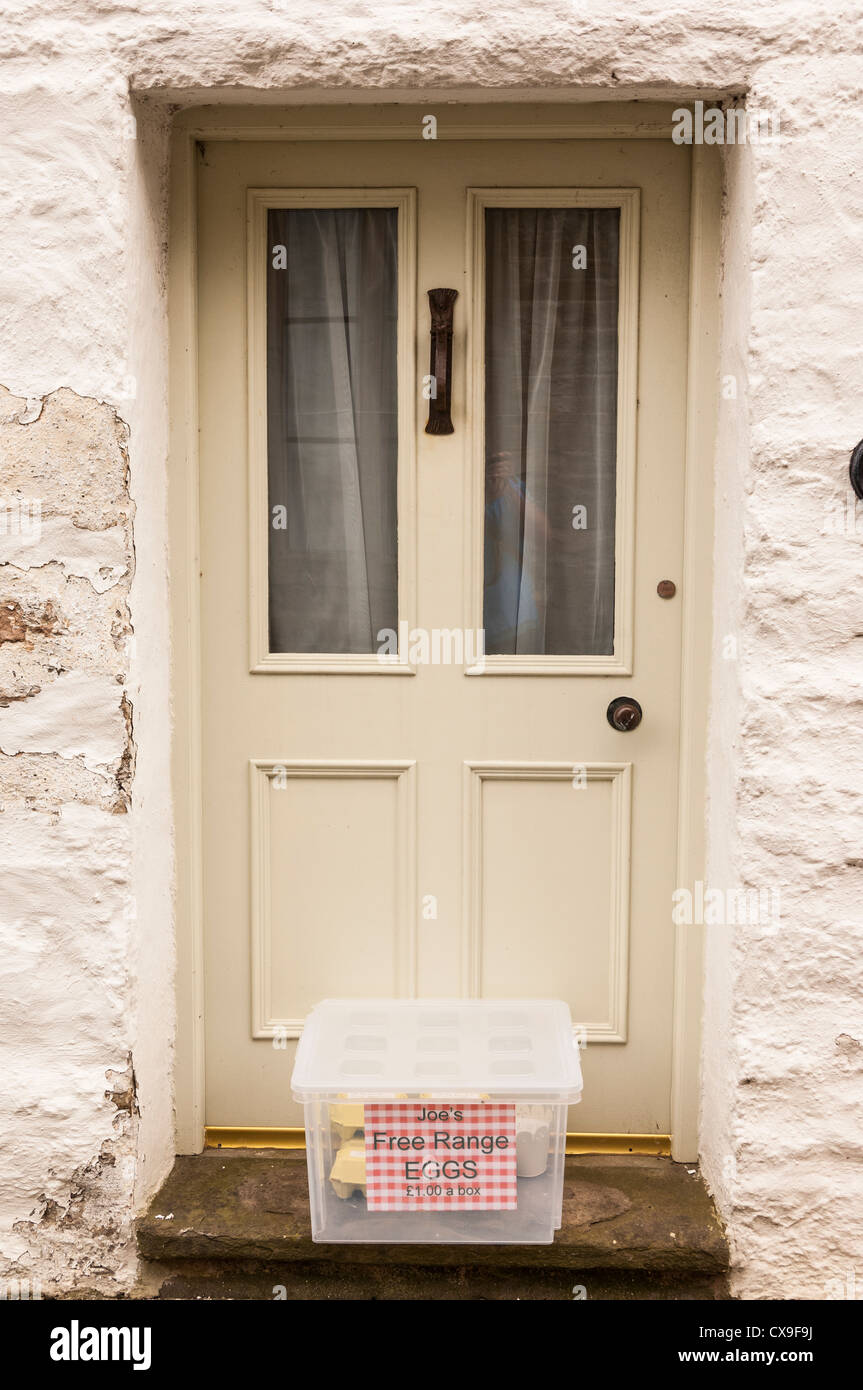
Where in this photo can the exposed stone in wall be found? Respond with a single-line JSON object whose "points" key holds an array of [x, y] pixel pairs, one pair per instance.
{"points": [[80, 1230], [65, 572], [19, 624], [82, 1237], [66, 760]]}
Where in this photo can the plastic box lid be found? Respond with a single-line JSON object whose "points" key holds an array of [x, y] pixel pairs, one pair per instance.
{"points": [[366, 1049]]}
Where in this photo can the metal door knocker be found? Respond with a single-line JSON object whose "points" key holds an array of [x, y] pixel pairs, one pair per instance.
{"points": [[441, 305]]}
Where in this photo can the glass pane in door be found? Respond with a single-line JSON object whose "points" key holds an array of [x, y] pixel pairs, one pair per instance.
{"points": [[551, 355], [332, 432]]}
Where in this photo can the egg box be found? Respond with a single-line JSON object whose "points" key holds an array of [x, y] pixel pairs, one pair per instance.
{"points": [[436, 1120]]}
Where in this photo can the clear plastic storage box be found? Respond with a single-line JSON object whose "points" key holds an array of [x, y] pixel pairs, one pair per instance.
{"points": [[437, 1120]]}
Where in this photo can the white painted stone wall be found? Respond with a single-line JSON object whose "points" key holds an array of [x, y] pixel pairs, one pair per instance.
{"points": [[86, 960]]}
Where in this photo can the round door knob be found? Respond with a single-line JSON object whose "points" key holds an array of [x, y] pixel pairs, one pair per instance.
{"points": [[624, 713]]}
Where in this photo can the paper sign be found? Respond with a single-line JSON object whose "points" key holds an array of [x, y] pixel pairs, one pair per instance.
{"points": [[437, 1156]]}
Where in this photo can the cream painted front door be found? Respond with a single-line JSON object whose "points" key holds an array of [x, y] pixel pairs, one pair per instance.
{"points": [[389, 809]]}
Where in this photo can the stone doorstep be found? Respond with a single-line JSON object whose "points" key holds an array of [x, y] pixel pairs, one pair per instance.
{"points": [[326, 1281], [620, 1213]]}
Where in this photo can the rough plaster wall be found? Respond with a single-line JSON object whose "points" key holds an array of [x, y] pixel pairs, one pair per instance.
{"points": [[86, 929], [783, 1056], [69, 1112], [81, 291]]}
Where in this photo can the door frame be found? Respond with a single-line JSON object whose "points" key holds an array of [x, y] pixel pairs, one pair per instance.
{"points": [[491, 120]]}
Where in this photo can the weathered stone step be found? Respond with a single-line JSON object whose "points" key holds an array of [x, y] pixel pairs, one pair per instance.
{"points": [[328, 1279], [625, 1213]]}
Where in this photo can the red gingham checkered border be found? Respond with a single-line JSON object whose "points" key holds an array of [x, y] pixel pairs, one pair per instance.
{"points": [[388, 1186]]}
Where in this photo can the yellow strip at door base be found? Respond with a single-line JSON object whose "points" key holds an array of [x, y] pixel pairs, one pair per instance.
{"points": [[235, 1137], [655, 1144]]}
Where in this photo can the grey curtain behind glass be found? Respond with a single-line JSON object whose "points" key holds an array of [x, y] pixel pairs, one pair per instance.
{"points": [[550, 430], [332, 428]]}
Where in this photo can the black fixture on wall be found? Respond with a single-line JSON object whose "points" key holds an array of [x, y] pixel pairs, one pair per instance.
{"points": [[855, 470]]}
